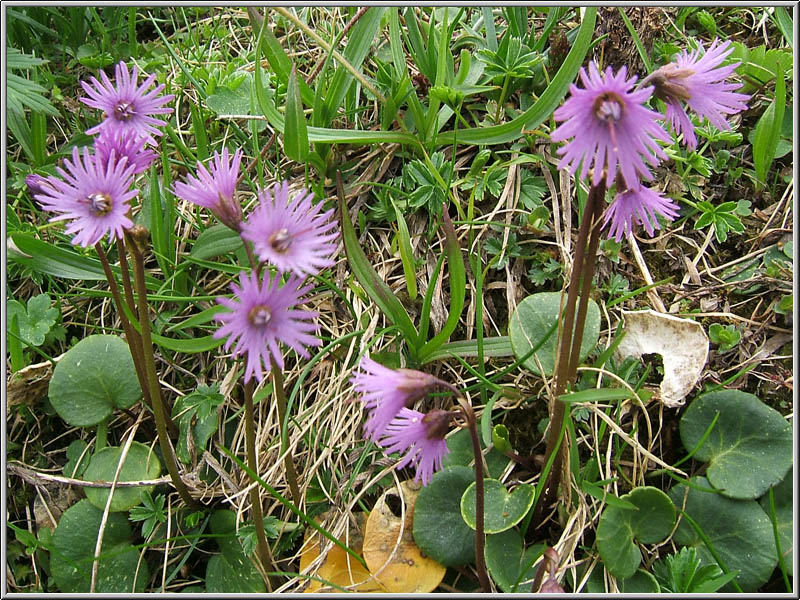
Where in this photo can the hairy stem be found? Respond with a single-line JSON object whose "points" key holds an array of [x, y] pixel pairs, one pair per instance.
{"points": [[264, 552], [480, 536], [565, 346], [152, 378], [131, 335]]}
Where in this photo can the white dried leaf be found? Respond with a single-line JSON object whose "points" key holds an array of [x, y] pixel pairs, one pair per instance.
{"points": [[682, 344]]}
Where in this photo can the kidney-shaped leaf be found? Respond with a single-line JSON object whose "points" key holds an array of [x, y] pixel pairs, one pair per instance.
{"points": [[439, 529], [749, 448], [501, 510], [531, 326], [783, 496], [140, 464], [93, 378], [619, 528], [512, 567], [74, 541], [739, 530]]}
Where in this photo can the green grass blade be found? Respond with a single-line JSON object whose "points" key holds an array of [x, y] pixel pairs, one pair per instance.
{"points": [[544, 106], [375, 287], [425, 313], [496, 347], [295, 136], [406, 254], [458, 285], [768, 129]]}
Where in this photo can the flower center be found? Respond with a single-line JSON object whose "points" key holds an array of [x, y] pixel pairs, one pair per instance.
{"points": [[281, 241], [124, 111], [100, 203], [259, 315], [609, 107]]}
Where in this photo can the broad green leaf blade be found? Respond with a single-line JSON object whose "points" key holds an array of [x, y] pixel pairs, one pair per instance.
{"points": [[502, 510], [749, 449], [295, 136], [439, 530], [140, 464], [375, 287], [492, 346], [458, 284], [619, 528], [533, 320], [93, 378], [281, 64], [188, 346], [61, 262], [509, 564], [768, 129], [739, 530], [74, 542], [544, 106], [215, 241]]}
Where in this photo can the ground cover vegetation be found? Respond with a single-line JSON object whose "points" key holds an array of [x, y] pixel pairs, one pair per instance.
{"points": [[393, 299]]}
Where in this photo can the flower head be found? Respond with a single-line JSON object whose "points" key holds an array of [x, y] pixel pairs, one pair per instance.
{"points": [[638, 205], [93, 194], [215, 188], [699, 81], [384, 392], [126, 106], [263, 316], [421, 437], [289, 233], [609, 126], [125, 143]]}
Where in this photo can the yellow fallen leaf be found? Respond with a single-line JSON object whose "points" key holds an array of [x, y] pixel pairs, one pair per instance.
{"points": [[399, 566], [338, 566]]}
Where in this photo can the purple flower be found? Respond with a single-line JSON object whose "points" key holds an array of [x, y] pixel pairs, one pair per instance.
{"points": [[125, 143], [36, 184], [291, 234], [639, 205], [421, 437], [94, 195], [384, 392], [700, 83], [263, 316], [126, 106], [609, 126], [215, 188]]}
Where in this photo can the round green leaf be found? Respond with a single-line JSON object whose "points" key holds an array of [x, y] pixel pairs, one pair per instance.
{"points": [[74, 543], [231, 571], [784, 495], [739, 530], [439, 530], [462, 453], [93, 378], [619, 528], [140, 464], [501, 510], [532, 321], [748, 450], [640, 582], [507, 562]]}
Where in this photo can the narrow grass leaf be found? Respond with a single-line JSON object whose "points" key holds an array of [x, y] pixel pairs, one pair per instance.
{"points": [[544, 106], [458, 284], [406, 254], [768, 129], [295, 136], [375, 287]]}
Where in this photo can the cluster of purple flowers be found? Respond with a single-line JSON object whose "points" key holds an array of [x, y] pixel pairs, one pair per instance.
{"points": [[388, 395], [293, 235], [95, 189], [611, 131]]}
